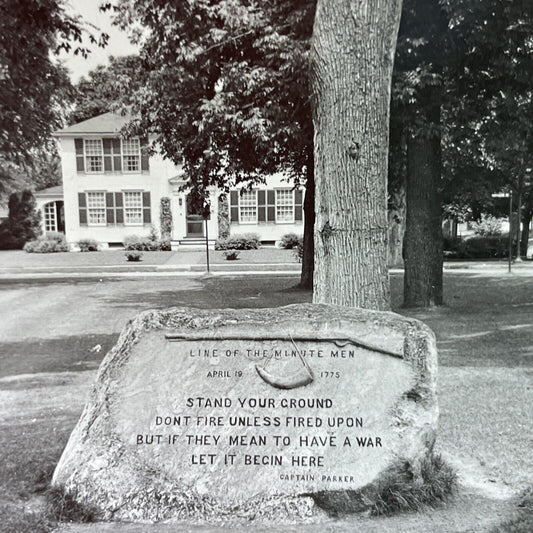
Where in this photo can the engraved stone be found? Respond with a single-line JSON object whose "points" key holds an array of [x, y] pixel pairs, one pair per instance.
{"points": [[210, 414]]}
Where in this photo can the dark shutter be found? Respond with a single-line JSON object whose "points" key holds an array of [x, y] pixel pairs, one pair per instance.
{"points": [[108, 156], [147, 218], [234, 206], [119, 209], [110, 207], [261, 206], [82, 205], [117, 155], [145, 163], [298, 201], [271, 206], [80, 161]]}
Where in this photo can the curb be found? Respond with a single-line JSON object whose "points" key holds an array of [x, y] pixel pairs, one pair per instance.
{"points": [[117, 276]]}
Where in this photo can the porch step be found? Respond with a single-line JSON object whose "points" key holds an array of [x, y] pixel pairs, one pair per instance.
{"points": [[191, 244]]}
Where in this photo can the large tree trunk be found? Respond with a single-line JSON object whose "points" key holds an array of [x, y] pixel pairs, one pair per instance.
{"points": [[423, 229], [308, 259], [352, 56]]}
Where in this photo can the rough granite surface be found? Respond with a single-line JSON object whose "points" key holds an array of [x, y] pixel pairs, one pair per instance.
{"points": [[187, 421]]}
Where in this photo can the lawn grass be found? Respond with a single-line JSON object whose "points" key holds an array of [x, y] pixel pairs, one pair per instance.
{"points": [[485, 381], [522, 521]]}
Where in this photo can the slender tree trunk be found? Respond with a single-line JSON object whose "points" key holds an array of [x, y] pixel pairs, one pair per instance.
{"points": [[423, 231], [352, 56], [527, 215], [308, 259], [396, 216]]}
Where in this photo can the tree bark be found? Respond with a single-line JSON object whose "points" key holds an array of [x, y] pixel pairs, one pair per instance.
{"points": [[352, 56], [423, 231], [308, 259]]}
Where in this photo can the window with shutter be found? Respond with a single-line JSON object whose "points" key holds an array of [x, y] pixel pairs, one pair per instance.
{"points": [[248, 207], [94, 156], [131, 155], [96, 209], [284, 206], [133, 208]]}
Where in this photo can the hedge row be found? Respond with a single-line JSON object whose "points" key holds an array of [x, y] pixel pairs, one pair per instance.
{"points": [[477, 247]]}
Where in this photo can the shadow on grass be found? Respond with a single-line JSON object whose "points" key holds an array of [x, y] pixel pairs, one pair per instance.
{"points": [[522, 522], [218, 293], [61, 354]]}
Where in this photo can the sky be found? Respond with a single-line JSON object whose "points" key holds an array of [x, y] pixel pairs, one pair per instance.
{"points": [[118, 41]]}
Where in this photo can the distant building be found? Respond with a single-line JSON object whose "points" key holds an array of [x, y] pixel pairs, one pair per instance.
{"points": [[111, 189]]}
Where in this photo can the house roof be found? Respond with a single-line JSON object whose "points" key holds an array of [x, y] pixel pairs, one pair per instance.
{"points": [[51, 191], [108, 123]]}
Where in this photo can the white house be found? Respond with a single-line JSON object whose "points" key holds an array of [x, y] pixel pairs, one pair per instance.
{"points": [[111, 189]]}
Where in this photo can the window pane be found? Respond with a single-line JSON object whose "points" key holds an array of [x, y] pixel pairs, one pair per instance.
{"points": [[96, 208], [284, 205], [50, 223], [94, 157], [248, 207], [133, 212], [131, 155]]}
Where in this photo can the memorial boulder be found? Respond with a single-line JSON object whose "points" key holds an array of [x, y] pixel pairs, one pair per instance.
{"points": [[252, 413]]}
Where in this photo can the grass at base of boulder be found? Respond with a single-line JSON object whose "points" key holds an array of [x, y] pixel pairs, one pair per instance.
{"points": [[402, 491], [18, 520], [523, 521], [63, 507]]}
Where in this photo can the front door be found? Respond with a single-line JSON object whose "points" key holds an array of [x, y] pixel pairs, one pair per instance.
{"points": [[195, 220]]}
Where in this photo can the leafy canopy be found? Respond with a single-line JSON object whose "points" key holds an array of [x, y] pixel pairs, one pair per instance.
{"points": [[33, 85], [227, 86]]}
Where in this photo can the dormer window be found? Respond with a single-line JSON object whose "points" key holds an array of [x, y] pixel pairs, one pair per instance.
{"points": [[131, 155], [94, 156]]}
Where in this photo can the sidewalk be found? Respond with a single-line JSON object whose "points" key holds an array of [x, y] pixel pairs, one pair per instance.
{"points": [[18, 265]]}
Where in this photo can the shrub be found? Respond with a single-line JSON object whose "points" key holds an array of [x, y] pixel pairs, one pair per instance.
{"points": [[289, 241], [51, 242], [165, 218], [487, 226], [55, 236], [231, 255], [87, 245], [400, 490], [164, 245], [223, 217], [142, 244], [451, 244], [246, 241], [133, 255], [483, 248], [23, 223]]}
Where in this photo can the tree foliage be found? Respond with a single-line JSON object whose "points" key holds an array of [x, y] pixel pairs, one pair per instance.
{"points": [[109, 87], [40, 169], [33, 85], [227, 91]]}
